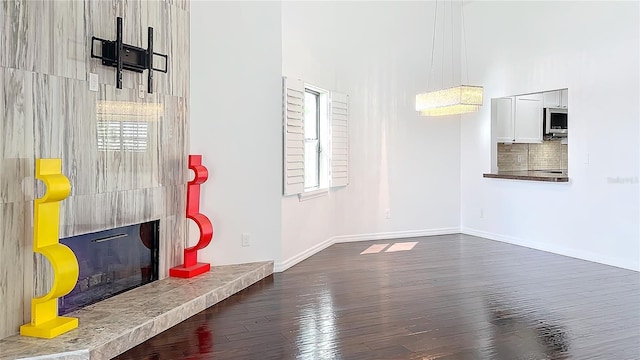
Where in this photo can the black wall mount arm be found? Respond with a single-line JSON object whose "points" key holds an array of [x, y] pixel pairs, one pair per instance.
{"points": [[128, 57]]}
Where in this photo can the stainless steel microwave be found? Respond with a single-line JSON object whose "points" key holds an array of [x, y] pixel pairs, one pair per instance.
{"points": [[555, 121]]}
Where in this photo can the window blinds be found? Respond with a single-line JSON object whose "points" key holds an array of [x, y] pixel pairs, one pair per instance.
{"points": [[293, 127], [339, 139], [293, 139]]}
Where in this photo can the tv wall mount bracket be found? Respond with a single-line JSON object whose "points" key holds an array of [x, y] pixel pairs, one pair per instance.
{"points": [[128, 57]]}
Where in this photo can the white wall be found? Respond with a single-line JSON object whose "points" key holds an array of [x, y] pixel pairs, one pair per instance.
{"points": [[378, 53], [236, 125], [591, 48]]}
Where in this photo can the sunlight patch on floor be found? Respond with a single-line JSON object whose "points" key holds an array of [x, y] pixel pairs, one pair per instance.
{"points": [[403, 246], [374, 249], [377, 248]]}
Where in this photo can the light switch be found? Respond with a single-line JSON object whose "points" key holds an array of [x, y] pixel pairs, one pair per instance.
{"points": [[93, 82]]}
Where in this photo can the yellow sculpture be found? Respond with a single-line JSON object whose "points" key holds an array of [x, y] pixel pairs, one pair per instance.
{"points": [[45, 322]]}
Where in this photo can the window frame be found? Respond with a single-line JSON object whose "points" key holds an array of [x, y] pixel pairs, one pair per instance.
{"points": [[324, 138], [334, 139], [315, 140]]}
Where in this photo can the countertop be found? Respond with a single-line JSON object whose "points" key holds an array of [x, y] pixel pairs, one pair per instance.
{"points": [[531, 175]]}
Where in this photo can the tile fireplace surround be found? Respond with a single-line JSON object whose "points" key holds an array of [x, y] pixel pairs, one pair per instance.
{"points": [[124, 152]]}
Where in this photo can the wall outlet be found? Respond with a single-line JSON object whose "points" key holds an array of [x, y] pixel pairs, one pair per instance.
{"points": [[519, 158], [481, 213], [387, 214], [246, 239]]}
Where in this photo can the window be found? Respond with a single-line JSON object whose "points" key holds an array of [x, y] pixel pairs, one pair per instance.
{"points": [[311, 140], [315, 147], [316, 138]]}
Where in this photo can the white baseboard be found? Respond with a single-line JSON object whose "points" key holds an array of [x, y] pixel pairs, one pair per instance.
{"points": [[560, 250], [282, 266], [395, 235], [583, 255]]}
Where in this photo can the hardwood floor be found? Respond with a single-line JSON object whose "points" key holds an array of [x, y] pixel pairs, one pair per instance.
{"points": [[450, 297]]}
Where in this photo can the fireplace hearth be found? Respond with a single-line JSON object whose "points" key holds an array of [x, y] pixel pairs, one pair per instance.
{"points": [[111, 262]]}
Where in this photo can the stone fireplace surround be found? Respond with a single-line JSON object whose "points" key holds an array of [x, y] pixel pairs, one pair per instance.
{"points": [[125, 153], [112, 326], [47, 110]]}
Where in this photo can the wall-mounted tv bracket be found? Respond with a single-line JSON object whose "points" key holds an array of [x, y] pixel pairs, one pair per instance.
{"points": [[128, 57]]}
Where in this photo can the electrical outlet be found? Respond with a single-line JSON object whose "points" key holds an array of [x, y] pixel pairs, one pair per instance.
{"points": [[246, 239], [481, 213], [387, 214], [519, 158]]}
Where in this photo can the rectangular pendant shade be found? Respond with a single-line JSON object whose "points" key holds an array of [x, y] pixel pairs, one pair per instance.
{"points": [[450, 110], [455, 100]]}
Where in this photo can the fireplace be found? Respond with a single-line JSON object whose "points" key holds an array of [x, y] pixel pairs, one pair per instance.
{"points": [[112, 262]]}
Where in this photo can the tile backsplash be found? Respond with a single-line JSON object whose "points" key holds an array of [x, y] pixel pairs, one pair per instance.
{"points": [[549, 155], [545, 156], [513, 157]]}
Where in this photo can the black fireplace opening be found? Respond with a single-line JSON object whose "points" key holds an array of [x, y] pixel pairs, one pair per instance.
{"points": [[111, 262]]}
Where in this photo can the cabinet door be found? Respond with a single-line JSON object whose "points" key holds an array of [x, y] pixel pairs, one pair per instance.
{"points": [[552, 99], [504, 120], [528, 119], [564, 98]]}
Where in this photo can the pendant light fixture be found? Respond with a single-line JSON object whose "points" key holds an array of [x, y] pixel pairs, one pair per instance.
{"points": [[452, 100]]}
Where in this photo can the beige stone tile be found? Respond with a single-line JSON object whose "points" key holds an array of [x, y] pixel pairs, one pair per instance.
{"points": [[119, 323]]}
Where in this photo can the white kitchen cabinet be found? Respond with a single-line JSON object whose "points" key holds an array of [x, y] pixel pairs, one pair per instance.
{"points": [[564, 98], [528, 118], [556, 99], [551, 99], [504, 119]]}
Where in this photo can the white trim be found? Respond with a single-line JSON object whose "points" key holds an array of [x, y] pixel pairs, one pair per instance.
{"points": [[559, 250], [395, 235], [282, 266], [313, 194], [582, 255]]}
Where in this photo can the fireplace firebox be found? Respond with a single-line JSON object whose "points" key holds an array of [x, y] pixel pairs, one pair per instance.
{"points": [[112, 262]]}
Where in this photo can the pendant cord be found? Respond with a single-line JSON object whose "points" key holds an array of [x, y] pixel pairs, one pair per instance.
{"points": [[464, 41], [453, 81], [444, 13], [433, 45]]}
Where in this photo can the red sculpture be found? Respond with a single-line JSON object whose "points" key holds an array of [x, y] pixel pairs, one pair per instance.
{"points": [[191, 266]]}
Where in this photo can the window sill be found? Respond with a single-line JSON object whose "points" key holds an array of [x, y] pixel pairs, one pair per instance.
{"points": [[313, 194]]}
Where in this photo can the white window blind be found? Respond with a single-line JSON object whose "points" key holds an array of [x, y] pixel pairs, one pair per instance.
{"points": [[339, 139], [293, 128]]}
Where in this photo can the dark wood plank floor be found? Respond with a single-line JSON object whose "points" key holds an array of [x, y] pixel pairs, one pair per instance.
{"points": [[450, 297]]}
